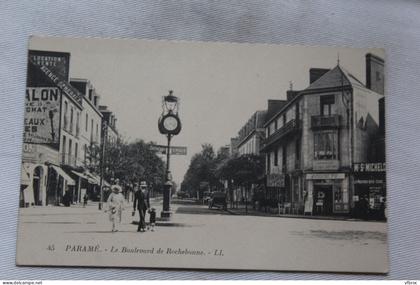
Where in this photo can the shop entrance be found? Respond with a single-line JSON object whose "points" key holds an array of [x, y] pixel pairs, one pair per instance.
{"points": [[323, 204], [36, 185]]}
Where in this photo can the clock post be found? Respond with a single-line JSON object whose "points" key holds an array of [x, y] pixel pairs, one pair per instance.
{"points": [[169, 124]]}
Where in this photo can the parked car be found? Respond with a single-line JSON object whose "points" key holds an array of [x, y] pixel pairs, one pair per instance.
{"points": [[182, 195], [218, 199], [206, 197]]}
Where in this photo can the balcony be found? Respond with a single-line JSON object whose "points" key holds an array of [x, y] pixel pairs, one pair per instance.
{"points": [[290, 128], [325, 122]]}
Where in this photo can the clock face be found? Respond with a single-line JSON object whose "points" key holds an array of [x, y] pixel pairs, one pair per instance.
{"points": [[170, 123]]}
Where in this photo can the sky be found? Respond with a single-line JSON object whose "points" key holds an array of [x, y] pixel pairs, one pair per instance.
{"points": [[220, 85]]}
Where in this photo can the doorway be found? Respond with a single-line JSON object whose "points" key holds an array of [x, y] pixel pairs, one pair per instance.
{"points": [[323, 204], [36, 185]]}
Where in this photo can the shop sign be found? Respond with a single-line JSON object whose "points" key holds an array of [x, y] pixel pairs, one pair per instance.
{"points": [[42, 116], [275, 180], [369, 167], [325, 176], [174, 150], [368, 181]]}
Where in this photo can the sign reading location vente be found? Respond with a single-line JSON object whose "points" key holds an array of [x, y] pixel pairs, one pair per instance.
{"points": [[175, 150]]}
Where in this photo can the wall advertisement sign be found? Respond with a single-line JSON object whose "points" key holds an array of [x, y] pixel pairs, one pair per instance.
{"points": [[51, 69], [42, 116]]}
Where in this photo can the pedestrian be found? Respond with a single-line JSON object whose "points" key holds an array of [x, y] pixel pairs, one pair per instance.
{"points": [[141, 200], [115, 207], [152, 221], [85, 200]]}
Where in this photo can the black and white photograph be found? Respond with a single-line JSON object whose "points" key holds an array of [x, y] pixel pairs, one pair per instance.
{"points": [[203, 155]]}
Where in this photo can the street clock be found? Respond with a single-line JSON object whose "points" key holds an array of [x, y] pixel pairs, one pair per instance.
{"points": [[170, 124]]}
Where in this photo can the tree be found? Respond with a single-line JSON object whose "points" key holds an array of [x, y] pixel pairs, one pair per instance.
{"points": [[243, 170], [201, 169]]}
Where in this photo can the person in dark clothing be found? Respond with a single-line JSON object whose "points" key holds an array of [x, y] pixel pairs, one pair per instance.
{"points": [[141, 200], [85, 200]]}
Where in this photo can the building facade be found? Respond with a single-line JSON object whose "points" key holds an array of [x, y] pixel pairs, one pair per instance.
{"points": [[62, 123], [314, 142]]}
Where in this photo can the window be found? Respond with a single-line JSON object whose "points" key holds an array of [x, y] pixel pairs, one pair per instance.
{"points": [[97, 133], [85, 152], [77, 124], [327, 105], [284, 158], [275, 125], [91, 130], [87, 120], [90, 94], [325, 145], [268, 163], [70, 158], [66, 107], [76, 148], [378, 76], [71, 120], [284, 119], [276, 157], [297, 152], [63, 151]]}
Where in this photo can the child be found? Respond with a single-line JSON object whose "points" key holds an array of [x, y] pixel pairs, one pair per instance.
{"points": [[152, 221]]}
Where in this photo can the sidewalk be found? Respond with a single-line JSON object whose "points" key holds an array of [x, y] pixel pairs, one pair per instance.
{"points": [[241, 210]]}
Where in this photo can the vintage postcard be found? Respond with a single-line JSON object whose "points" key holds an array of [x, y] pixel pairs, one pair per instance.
{"points": [[160, 154]]}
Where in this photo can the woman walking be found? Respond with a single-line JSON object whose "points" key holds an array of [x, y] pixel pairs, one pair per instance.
{"points": [[115, 207]]}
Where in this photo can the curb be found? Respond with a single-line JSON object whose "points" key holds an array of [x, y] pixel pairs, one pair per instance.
{"points": [[305, 217]]}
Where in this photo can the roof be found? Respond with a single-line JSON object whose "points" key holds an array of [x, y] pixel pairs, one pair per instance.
{"points": [[336, 77]]}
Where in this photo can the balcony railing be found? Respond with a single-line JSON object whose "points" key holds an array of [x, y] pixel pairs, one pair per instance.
{"points": [[290, 128], [325, 122]]}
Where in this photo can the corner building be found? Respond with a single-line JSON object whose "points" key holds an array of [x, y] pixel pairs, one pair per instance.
{"points": [[314, 141]]}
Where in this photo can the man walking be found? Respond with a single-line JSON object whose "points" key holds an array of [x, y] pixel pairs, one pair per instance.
{"points": [[141, 199]]}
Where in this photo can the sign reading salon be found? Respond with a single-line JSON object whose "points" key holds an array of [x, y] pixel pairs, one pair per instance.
{"points": [[42, 119]]}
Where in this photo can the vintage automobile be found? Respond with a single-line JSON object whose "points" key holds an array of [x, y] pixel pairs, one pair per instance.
{"points": [[182, 195], [218, 199], [206, 197]]}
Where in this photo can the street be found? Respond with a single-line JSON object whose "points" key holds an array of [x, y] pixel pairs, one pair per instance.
{"points": [[211, 238]]}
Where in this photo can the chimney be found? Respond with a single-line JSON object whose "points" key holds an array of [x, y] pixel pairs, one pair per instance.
{"points": [[273, 107], [291, 94], [316, 73], [375, 80]]}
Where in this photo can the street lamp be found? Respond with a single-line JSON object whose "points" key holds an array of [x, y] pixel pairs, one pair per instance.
{"points": [[170, 125]]}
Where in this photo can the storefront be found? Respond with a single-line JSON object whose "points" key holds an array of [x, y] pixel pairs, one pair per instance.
{"points": [[369, 198], [275, 187], [326, 194], [33, 184]]}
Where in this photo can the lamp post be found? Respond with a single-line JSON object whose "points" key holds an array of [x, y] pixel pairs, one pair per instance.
{"points": [[170, 125]]}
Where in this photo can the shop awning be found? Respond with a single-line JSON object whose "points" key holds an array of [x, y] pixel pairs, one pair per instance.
{"points": [[65, 176], [81, 175]]}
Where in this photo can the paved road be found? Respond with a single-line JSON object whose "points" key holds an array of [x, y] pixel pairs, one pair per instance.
{"points": [[247, 242]]}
